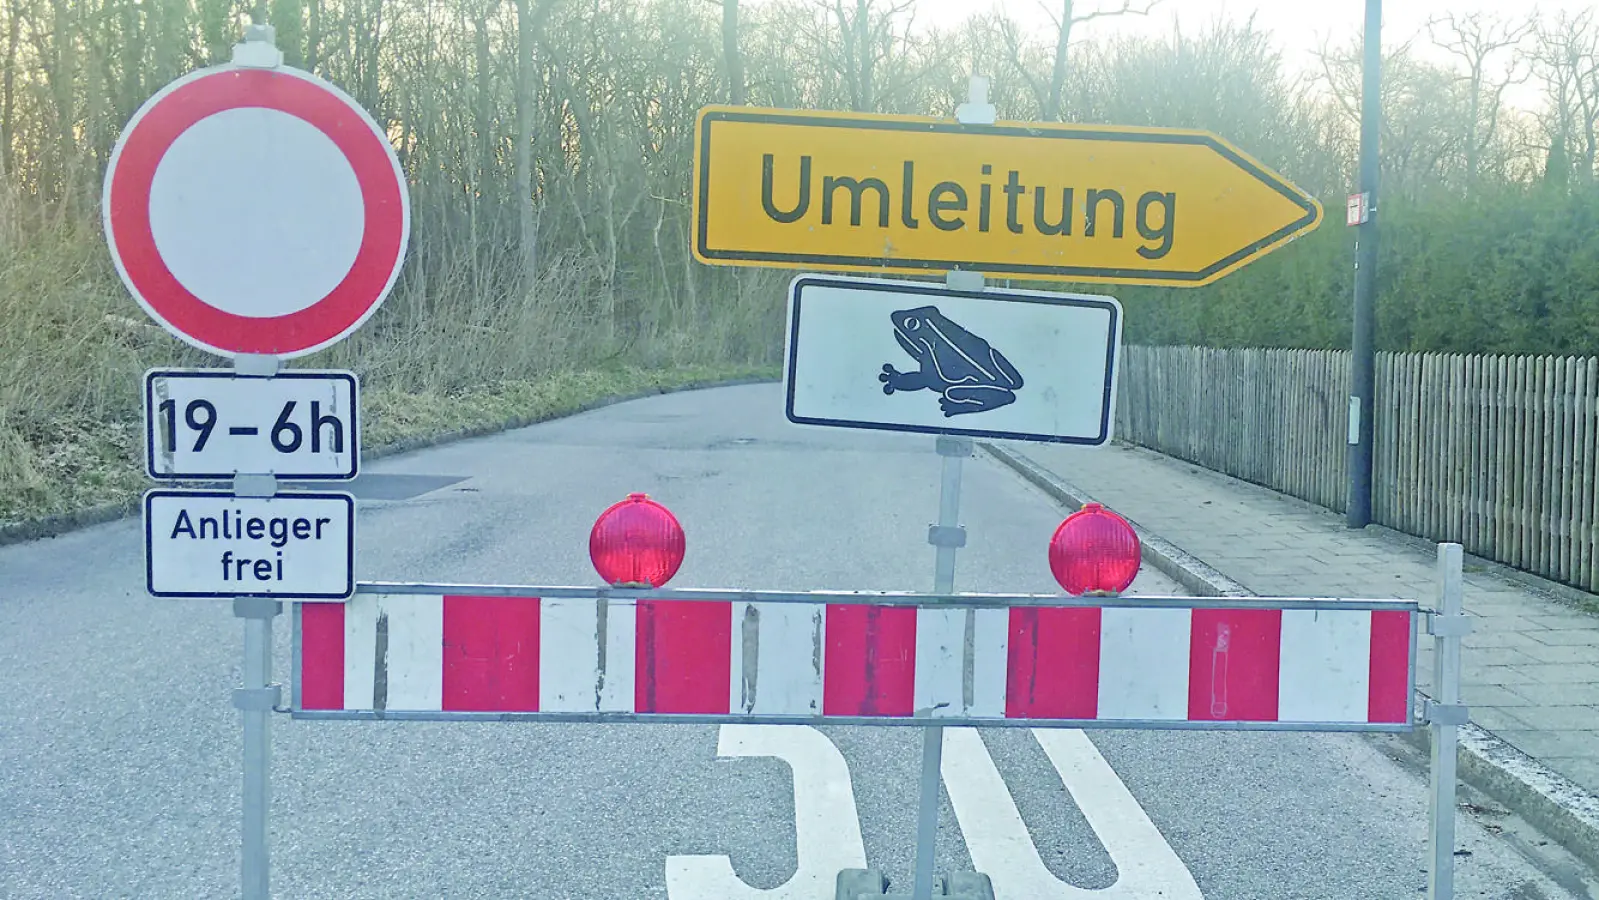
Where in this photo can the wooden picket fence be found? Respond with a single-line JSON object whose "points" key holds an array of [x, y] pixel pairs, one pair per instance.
{"points": [[1498, 453]]}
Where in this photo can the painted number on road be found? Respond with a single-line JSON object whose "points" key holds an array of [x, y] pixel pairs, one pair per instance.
{"points": [[827, 824]]}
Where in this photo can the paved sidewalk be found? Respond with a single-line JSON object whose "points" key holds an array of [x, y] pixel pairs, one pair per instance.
{"points": [[1531, 665]]}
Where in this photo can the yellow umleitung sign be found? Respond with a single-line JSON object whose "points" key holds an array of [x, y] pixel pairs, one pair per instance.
{"points": [[914, 194]]}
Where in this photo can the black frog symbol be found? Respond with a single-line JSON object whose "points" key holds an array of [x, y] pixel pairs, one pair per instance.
{"points": [[971, 375]]}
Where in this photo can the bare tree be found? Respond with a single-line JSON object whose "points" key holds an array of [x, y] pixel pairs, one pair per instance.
{"points": [[1051, 93], [1475, 40], [867, 37], [8, 86], [529, 21], [1566, 58]]}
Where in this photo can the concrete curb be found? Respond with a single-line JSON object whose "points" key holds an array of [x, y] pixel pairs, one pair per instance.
{"points": [[1186, 569], [1545, 799], [57, 525]]}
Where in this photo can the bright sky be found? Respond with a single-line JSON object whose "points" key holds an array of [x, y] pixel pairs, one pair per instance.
{"points": [[1300, 25]]}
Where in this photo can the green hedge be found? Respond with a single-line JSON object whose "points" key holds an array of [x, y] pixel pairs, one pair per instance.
{"points": [[1510, 270]]}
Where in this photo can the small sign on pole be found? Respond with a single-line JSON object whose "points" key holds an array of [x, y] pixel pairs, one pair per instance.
{"points": [[213, 544], [1359, 210], [202, 424]]}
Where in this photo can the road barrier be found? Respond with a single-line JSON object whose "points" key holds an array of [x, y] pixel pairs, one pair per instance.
{"points": [[464, 652], [638, 652], [442, 652]]}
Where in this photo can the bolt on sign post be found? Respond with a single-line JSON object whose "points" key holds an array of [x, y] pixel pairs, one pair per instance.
{"points": [[258, 213]]}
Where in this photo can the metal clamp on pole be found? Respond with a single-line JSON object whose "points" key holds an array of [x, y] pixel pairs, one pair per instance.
{"points": [[1440, 625], [976, 110], [946, 535], [267, 699], [962, 280], [256, 607], [1434, 713], [256, 365], [259, 49], [954, 446], [255, 485]]}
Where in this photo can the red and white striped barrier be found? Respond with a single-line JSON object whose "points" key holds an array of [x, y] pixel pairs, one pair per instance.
{"points": [[1150, 662]]}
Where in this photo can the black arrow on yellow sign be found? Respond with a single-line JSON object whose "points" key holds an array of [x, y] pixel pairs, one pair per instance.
{"points": [[912, 194]]}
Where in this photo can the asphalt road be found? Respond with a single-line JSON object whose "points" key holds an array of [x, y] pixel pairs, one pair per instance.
{"points": [[119, 751]]}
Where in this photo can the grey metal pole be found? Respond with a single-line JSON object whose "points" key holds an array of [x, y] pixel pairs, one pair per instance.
{"points": [[256, 707], [947, 537], [1363, 358], [1445, 715], [953, 451], [258, 696]]}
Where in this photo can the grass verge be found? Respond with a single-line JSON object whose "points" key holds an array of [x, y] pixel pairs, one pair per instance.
{"points": [[84, 471]]}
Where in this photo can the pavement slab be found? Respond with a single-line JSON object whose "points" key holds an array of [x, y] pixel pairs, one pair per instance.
{"points": [[1531, 665]]}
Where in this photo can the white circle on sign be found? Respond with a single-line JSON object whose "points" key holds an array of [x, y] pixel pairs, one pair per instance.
{"points": [[240, 192]]}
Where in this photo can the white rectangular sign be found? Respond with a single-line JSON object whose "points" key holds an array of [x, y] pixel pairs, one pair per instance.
{"points": [[213, 544], [915, 356], [202, 424]]}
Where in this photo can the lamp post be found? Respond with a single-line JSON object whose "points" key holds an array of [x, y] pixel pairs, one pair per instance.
{"points": [[1363, 356]]}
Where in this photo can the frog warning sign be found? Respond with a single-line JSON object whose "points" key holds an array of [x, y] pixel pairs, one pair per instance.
{"points": [[971, 375], [917, 356]]}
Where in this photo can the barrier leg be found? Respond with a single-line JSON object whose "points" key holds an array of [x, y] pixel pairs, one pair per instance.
{"points": [[947, 536], [927, 812], [256, 700], [1444, 716]]}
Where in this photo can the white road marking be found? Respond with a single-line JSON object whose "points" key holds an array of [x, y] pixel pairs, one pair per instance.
{"points": [[828, 829], [826, 824], [1000, 846]]}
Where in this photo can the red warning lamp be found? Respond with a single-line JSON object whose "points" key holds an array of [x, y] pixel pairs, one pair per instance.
{"points": [[1094, 551], [636, 543]]}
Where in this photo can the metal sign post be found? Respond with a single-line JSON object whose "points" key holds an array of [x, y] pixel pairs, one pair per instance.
{"points": [[259, 284], [258, 697], [947, 537], [256, 701]]}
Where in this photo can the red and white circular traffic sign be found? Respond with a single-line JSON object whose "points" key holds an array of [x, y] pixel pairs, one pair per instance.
{"points": [[254, 210]]}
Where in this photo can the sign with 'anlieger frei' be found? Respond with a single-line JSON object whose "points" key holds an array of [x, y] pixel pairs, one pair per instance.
{"points": [[214, 544]]}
